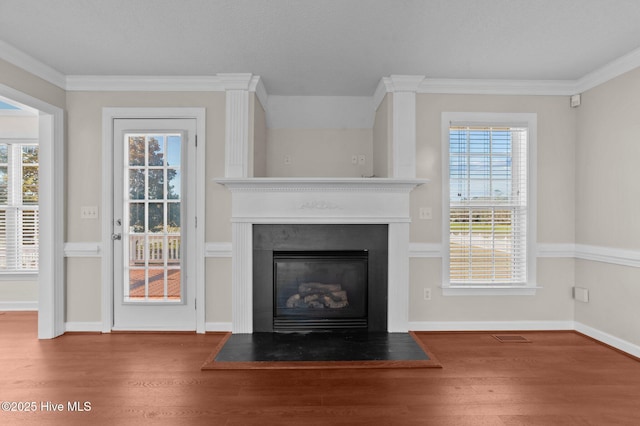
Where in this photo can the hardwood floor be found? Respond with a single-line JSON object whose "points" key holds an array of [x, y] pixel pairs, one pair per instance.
{"points": [[561, 378]]}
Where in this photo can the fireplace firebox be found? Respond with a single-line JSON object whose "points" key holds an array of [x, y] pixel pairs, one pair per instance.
{"points": [[320, 278], [326, 289]]}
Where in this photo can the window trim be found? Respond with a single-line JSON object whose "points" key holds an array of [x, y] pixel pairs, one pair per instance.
{"points": [[528, 120], [16, 144]]}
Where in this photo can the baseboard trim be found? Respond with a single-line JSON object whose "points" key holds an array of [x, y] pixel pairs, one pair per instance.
{"points": [[218, 326], [19, 306], [608, 339], [489, 325], [79, 326]]}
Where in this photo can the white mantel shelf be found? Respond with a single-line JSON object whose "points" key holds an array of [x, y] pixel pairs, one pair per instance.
{"points": [[320, 184]]}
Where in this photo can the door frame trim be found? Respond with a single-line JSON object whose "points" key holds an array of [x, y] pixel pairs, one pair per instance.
{"points": [[51, 268], [108, 117]]}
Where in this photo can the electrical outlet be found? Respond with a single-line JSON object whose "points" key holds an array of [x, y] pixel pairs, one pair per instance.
{"points": [[427, 294], [288, 160], [426, 213], [89, 212], [362, 159], [354, 159]]}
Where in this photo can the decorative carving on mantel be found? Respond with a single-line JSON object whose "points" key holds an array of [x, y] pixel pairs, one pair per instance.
{"points": [[319, 205]]}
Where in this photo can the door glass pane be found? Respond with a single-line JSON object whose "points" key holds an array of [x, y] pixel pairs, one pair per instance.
{"points": [[156, 184], [136, 284], [173, 218], [136, 218], [136, 184], [157, 283], [153, 232], [156, 217], [173, 187], [136, 150], [156, 150]]}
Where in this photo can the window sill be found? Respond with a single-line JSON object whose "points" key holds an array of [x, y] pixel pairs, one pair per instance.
{"points": [[489, 290]]}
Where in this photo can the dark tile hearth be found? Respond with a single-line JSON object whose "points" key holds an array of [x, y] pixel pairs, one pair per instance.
{"points": [[321, 347], [333, 349]]}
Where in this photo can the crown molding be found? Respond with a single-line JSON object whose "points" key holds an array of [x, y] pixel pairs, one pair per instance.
{"points": [[247, 81], [384, 86], [448, 86], [404, 83], [238, 81], [98, 83], [133, 83], [32, 65], [609, 71], [498, 87], [261, 92]]}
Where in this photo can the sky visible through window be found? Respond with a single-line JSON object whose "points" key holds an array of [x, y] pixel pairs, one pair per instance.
{"points": [[6, 106], [174, 146], [480, 164]]}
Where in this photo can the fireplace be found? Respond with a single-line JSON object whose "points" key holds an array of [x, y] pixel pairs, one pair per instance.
{"points": [[378, 202], [319, 277]]}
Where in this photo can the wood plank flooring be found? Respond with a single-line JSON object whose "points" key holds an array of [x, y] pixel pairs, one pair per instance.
{"points": [[561, 378]]}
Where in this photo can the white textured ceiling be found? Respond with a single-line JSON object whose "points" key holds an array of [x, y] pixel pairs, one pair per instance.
{"points": [[324, 47]]}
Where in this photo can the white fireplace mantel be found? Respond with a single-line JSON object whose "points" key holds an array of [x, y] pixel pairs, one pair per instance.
{"points": [[320, 201]]}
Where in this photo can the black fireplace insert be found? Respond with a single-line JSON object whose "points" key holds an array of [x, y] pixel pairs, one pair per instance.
{"points": [[319, 277], [320, 289]]}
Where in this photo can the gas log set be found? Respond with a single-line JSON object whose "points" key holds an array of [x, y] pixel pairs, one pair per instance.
{"points": [[318, 296]]}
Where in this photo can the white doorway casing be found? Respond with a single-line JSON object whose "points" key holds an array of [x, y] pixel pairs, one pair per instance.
{"points": [[320, 201], [108, 117], [51, 291]]}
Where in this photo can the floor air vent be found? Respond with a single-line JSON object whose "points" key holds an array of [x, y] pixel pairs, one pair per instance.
{"points": [[511, 338]]}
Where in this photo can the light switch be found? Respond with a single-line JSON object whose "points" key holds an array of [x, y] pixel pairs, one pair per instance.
{"points": [[89, 212], [426, 213]]}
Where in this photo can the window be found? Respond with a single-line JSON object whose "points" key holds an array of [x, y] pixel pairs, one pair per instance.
{"points": [[489, 202], [18, 208]]}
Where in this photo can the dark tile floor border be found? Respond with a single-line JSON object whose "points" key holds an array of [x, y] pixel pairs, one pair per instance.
{"points": [[321, 351]]}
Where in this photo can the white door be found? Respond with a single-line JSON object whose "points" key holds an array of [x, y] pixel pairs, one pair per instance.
{"points": [[154, 224]]}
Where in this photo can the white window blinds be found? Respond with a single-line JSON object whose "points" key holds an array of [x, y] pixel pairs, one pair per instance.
{"points": [[488, 205], [18, 207]]}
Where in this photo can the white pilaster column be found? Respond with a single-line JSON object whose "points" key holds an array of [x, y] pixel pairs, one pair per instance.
{"points": [[237, 156], [242, 278], [404, 88], [398, 308]]}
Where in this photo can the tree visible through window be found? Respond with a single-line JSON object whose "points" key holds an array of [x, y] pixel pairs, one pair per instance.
{"points": [[19, 227]]}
